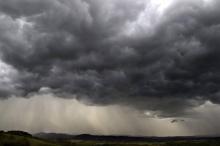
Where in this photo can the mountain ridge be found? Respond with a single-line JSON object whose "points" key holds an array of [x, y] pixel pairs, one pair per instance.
{"points": [[63, 136]]}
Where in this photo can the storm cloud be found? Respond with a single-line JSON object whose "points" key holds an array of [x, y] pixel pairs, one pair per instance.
{"points": [[162, 58]]}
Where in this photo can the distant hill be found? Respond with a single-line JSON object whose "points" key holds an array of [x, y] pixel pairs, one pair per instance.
{"points": [[20, 138], [54, 136], [143, 139], [20, 133], [88, 137]]}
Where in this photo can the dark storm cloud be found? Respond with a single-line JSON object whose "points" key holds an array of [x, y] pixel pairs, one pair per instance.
{"points": [[176, 120], [79, 48]]}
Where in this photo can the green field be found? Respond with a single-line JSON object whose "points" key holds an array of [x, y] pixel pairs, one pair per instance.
{"points": [[19, 140]]}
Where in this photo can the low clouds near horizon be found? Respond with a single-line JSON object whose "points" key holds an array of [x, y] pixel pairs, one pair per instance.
{"points": [[148, 55], [48, 113]]}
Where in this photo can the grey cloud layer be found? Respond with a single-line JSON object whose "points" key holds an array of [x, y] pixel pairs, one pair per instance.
{"points": [[81, 48]]}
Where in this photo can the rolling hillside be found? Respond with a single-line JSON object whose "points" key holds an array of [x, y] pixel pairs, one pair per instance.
{"points": [[19, 138], [16, 139]]}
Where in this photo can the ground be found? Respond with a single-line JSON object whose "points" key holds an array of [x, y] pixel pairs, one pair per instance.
{"points": [[7, 139]]}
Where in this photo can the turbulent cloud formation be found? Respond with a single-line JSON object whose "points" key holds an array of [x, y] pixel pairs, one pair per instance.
{"points": [[143, 54]]}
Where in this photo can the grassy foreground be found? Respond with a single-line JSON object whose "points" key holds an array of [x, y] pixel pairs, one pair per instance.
{"points": [[7, 139]]}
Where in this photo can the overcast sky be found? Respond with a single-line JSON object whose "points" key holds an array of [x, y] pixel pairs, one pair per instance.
{"points": [[134, 67]]}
